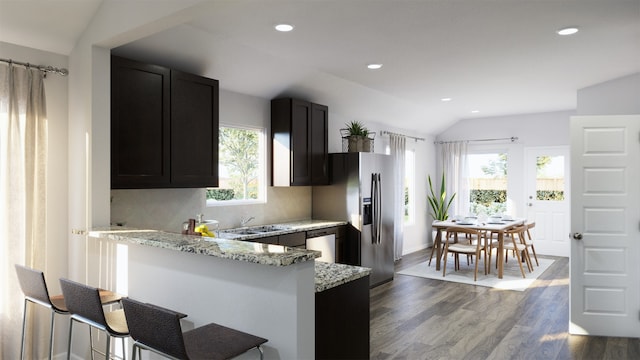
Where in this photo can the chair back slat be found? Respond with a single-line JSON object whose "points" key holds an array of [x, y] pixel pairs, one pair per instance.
{"points": [[155, 327], [33, 283], [83, 300]]}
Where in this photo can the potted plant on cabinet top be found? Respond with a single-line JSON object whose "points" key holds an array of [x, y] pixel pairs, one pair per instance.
{"points": [[438, 202], [357, 135]]}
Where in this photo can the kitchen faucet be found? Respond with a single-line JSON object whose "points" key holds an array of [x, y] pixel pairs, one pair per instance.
{"points": [[245, 220]]}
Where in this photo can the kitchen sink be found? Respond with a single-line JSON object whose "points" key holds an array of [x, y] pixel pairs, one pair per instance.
{"points": [[255, 230]]}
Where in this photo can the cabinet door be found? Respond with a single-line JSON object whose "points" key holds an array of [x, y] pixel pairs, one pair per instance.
{"points": [[194, 130], [139, 124], [319, 148], [293, 239], [300, 142]]}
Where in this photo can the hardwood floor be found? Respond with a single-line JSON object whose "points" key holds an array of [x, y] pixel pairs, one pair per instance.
{"points": [[417, 318]]}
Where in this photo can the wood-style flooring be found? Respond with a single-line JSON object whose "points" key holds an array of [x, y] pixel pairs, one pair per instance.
{"points": [[417, 318]]}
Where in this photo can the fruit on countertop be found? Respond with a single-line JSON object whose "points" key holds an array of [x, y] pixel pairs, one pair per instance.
{"points": [[204, 230]]}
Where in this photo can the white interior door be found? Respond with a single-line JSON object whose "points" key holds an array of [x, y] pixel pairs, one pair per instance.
{"points": [[605, 270], [547, 175]]}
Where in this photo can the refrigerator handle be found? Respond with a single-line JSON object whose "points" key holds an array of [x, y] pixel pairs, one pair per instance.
{"points": [[379, 210], [374, 211]]}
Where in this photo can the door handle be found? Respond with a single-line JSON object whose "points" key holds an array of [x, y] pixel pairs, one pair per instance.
{"points": [[577, 236]]}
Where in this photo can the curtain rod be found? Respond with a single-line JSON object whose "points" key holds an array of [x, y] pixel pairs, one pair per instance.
{"points": [[43, 68], [512, 139], [407, 136]]}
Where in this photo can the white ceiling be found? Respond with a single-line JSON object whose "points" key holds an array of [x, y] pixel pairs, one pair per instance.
{"points": [[499, 57]]}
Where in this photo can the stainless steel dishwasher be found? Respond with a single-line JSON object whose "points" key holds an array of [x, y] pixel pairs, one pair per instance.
{"points": [[323, 240]]}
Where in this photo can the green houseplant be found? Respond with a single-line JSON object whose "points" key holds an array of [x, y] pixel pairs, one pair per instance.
{"points": [[357, 135], [438, 202]]}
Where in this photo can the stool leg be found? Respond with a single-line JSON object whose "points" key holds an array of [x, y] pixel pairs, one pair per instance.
{"points": [[53, 320], [70, 334], [91, 342], [108, 347], [24, 329]]}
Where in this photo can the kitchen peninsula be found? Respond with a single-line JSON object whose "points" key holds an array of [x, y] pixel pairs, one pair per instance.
{"points": [[268, 290]]}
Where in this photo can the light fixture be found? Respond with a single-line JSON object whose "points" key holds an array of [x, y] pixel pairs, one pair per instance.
{"points": [[374, 66], [284, 27], [475, 111], [446, 99], [567, 31]]}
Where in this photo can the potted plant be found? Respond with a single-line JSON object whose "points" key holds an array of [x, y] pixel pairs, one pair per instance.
{"points": [[438, 202], [357, 134]]}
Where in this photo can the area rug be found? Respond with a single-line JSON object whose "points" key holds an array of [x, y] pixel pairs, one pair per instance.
{"points": [[512, 278]]}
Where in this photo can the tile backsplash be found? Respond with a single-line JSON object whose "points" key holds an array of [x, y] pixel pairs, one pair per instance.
{"points": [[167, 209]]}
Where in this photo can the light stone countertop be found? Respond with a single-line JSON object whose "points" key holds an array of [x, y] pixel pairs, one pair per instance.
{"points": [[331, 275], [253, 252], [327, 275]]}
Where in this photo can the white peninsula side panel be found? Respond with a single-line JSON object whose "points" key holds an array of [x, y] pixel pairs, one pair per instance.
{"points": [[274, 302]]}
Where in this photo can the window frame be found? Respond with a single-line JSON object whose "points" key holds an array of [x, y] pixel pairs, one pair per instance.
{"points": [[488, 150], [262, 169]]}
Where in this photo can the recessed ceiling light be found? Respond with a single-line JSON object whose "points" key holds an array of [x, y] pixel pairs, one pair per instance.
{"points": [[475, 111], [567, 31], [446, 99], [284, 27], [374, 66]]}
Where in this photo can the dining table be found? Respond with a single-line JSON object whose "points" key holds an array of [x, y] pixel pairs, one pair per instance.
{"points": [[495, 226]]}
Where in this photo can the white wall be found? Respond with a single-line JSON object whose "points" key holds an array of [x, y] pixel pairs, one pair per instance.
{"points": [[532, 130], [619, 96]]}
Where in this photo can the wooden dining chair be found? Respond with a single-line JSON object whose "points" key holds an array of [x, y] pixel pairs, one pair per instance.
{"points": [[514, 241], [528, 240], [463, 243]]}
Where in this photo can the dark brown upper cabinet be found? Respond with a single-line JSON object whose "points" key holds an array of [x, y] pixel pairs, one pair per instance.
{"points": [[164, 127], [299, 144]]}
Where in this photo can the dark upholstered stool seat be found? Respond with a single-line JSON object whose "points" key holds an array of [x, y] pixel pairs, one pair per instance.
{"points": [[158, 329], [215, 342]]}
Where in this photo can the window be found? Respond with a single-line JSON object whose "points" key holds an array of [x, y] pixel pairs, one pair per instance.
{"points": [[241, 167], [409, 186], [488, 183], [550, 178]]}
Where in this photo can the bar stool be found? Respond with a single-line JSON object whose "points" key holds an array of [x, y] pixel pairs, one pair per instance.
{"points": [[84, 304], [158, 329], [35, 291]]}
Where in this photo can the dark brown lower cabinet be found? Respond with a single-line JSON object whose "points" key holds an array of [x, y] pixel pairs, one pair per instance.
{"points": [[342, 321]]}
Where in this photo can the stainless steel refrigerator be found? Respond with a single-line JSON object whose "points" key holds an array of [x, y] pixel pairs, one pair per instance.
{"points": [[361, 193]]}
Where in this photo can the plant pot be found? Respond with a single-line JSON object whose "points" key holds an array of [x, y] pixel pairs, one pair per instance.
{"points": [[366, 144], [356, 143]]}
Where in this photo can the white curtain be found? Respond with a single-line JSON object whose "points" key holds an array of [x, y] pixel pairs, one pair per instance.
{"points": [[398, 146], [23, 157], [456, 171]]}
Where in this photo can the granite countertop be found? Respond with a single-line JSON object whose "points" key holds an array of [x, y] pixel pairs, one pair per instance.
{"points": [[330, 275], [327, 275], [253, 252], [226, 246]]}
